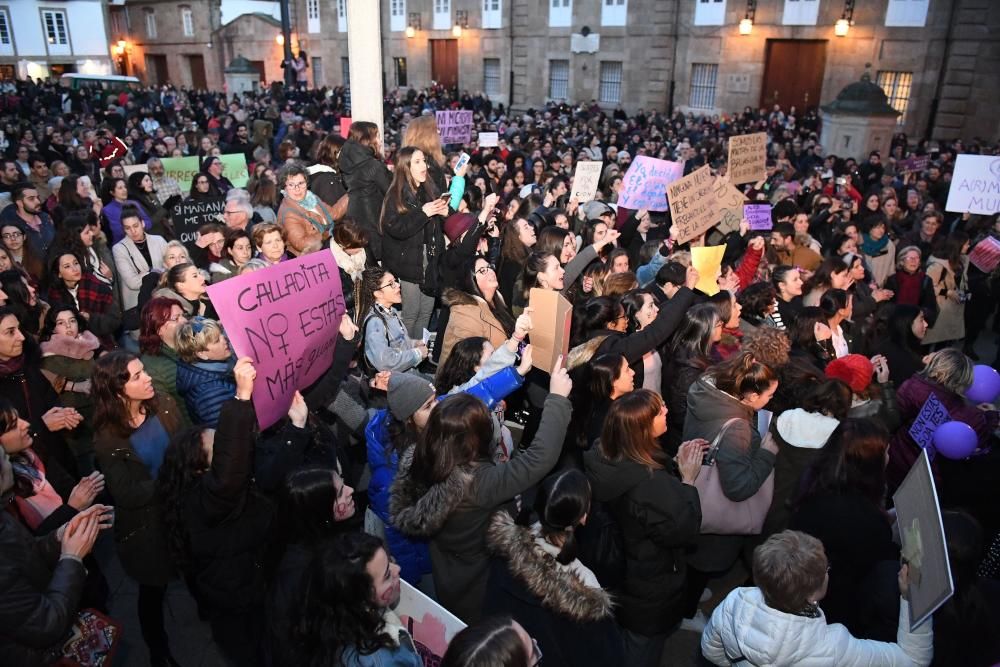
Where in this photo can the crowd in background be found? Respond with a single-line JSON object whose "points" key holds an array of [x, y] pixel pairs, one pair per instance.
{"points": [[557, 512]]}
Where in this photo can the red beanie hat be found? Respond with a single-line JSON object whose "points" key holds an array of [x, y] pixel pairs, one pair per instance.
{"points": [[457, 224], [854, 369]]}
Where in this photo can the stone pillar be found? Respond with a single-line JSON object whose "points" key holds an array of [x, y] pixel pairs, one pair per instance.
{"points": [[364, 48]]}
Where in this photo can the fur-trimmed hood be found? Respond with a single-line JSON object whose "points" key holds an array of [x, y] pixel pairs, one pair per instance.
{"points": [[453, 297], [418, 511], [81, 347], [558, 588]]}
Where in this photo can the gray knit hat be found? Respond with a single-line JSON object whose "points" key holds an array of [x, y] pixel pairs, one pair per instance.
{"points": [[407, 392]]}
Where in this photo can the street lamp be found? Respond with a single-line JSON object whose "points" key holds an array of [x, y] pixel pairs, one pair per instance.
{"points": [[461, 21], [843, 24], [746, 23], [413, 25]]}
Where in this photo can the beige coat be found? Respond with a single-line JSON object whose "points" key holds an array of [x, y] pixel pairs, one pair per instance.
{"points": [[950, 324], [470, 316]]}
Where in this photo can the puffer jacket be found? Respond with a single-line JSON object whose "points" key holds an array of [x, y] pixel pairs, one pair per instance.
{"points": [[412, 554], [659, 517], [745, 632], [205, 386], [367, 181]]}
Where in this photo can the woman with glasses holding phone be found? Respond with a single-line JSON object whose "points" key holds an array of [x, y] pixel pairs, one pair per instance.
{"points": [[387, 344]]}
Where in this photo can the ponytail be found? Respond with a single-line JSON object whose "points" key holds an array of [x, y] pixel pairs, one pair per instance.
{"points": [[563, 500], [741, 374]]}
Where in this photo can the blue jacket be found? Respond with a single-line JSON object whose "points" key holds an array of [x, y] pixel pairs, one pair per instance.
{"points": [[205, 386], [413, 556]]}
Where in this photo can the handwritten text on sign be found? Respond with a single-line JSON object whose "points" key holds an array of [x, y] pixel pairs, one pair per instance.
{"points": [[286, 318], [455, 126], [693, 205], [646, 181], [730, 203], [758, 215], [932, 415], [975, 185], [747, 158], [189, 215], [585, 180]]}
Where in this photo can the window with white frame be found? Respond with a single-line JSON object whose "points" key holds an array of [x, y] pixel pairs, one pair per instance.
{"points": [[610, 91], [54, 21], [397, 15], [150, 23], [491, 76], [709, 12], [800, 12], [560, 13], [5, 38], [442, 14], [558, 79], [312, 15], [897, 88], [187, 21], [614, 12], [703, 78], [906, 13], [341, 15], [491, 14]]}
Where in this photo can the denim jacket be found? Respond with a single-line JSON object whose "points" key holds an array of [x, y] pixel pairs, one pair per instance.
{"points": [[387, 345]]}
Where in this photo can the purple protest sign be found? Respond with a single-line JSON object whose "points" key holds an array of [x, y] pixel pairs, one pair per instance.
{"points": [[758, 215], [455, 127], [645, 183], [286, 318], [932, 415]]}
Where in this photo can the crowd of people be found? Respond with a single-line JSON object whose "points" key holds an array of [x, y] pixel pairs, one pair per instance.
{"points": [[564, 514]]}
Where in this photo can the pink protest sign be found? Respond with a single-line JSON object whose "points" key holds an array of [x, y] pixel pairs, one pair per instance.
{"points": [[455, 126], [986, 255], [345, 126], [645, 183], [286, 318]]}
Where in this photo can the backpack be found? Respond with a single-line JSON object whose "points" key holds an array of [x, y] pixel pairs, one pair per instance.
{"points": [[367, 369]]}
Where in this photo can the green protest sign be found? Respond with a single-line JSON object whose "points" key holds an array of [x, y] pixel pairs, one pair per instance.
{"points": [[183, 169]]}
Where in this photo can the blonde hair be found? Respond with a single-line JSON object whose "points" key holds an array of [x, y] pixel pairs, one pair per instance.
{"points": [[173, 245], [423, 133], [682, 257], [195, 336], [951, 369]]}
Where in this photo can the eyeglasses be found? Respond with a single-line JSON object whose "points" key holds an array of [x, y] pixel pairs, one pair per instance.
{"points": [[10, 236], [484, 270], [301, 185], [536, 653], [394, 283]]}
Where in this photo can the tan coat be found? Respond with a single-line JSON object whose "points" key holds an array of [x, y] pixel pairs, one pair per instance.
{"points": [[950, 324], [305, 230], [470, 316]]}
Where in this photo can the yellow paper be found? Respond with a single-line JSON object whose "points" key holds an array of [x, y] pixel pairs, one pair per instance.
{"points": [[707, 261]]}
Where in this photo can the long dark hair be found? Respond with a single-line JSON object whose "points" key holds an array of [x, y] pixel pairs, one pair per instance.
{"points": [[458, 432], [107, 384], [950, 248], [12, 282], [53, 314], [306, 501], [824, 273], [371, 280], [467, 283], [692, 343], [25, 473], [68, 237], [461, 364], [853, 459], [491, 642], [183, 463], [403, 187], [562, 501], [338, 610]]}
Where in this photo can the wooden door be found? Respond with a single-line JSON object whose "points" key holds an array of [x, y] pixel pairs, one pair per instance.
{"points": [[793, 73], [444, 62], [156, 69], [198, 79]]}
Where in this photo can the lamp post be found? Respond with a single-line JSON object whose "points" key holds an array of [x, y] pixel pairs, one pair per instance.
{"points": [[286, 34], [121, 50]]}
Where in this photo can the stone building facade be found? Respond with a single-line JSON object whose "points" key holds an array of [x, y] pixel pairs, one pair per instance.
{"points": [[937, 59]]}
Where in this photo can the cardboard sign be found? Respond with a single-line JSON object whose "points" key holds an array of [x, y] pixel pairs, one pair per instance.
{"points": [[975, 185], [552, 316], [932, 414], [921, 531], [646, 181], [489, 139], [730, 201], [286, 318], [758, 215], [189, 215], [455, 127], [708, 261], [986, 255], [693, 206], [345, 126], [430, 624], [747, 158], [585, 180]]}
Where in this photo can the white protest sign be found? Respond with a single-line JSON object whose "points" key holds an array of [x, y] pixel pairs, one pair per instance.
{"points": [[975, 185], [489, 139], [585, 180]]}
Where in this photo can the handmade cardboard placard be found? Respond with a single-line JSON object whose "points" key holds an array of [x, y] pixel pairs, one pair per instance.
{"points": [[693, 207], [975, 185], [190, 214], [489, 139], [921, 531], [932, 414], [552, 316], [431, 625], [708, 261], [646, 181], [455, 127], [730, 202], [585, 180], [759, 216], [286, 318], [747, 158]]}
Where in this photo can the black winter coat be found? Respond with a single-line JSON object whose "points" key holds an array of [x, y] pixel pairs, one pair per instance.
{"points": [[659, 517], [39, 595], [367, 181], [412, 244], [327, 184]]}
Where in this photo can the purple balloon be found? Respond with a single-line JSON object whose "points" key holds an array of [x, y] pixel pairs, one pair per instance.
{"points": [[955, 440], [985, 385]]}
